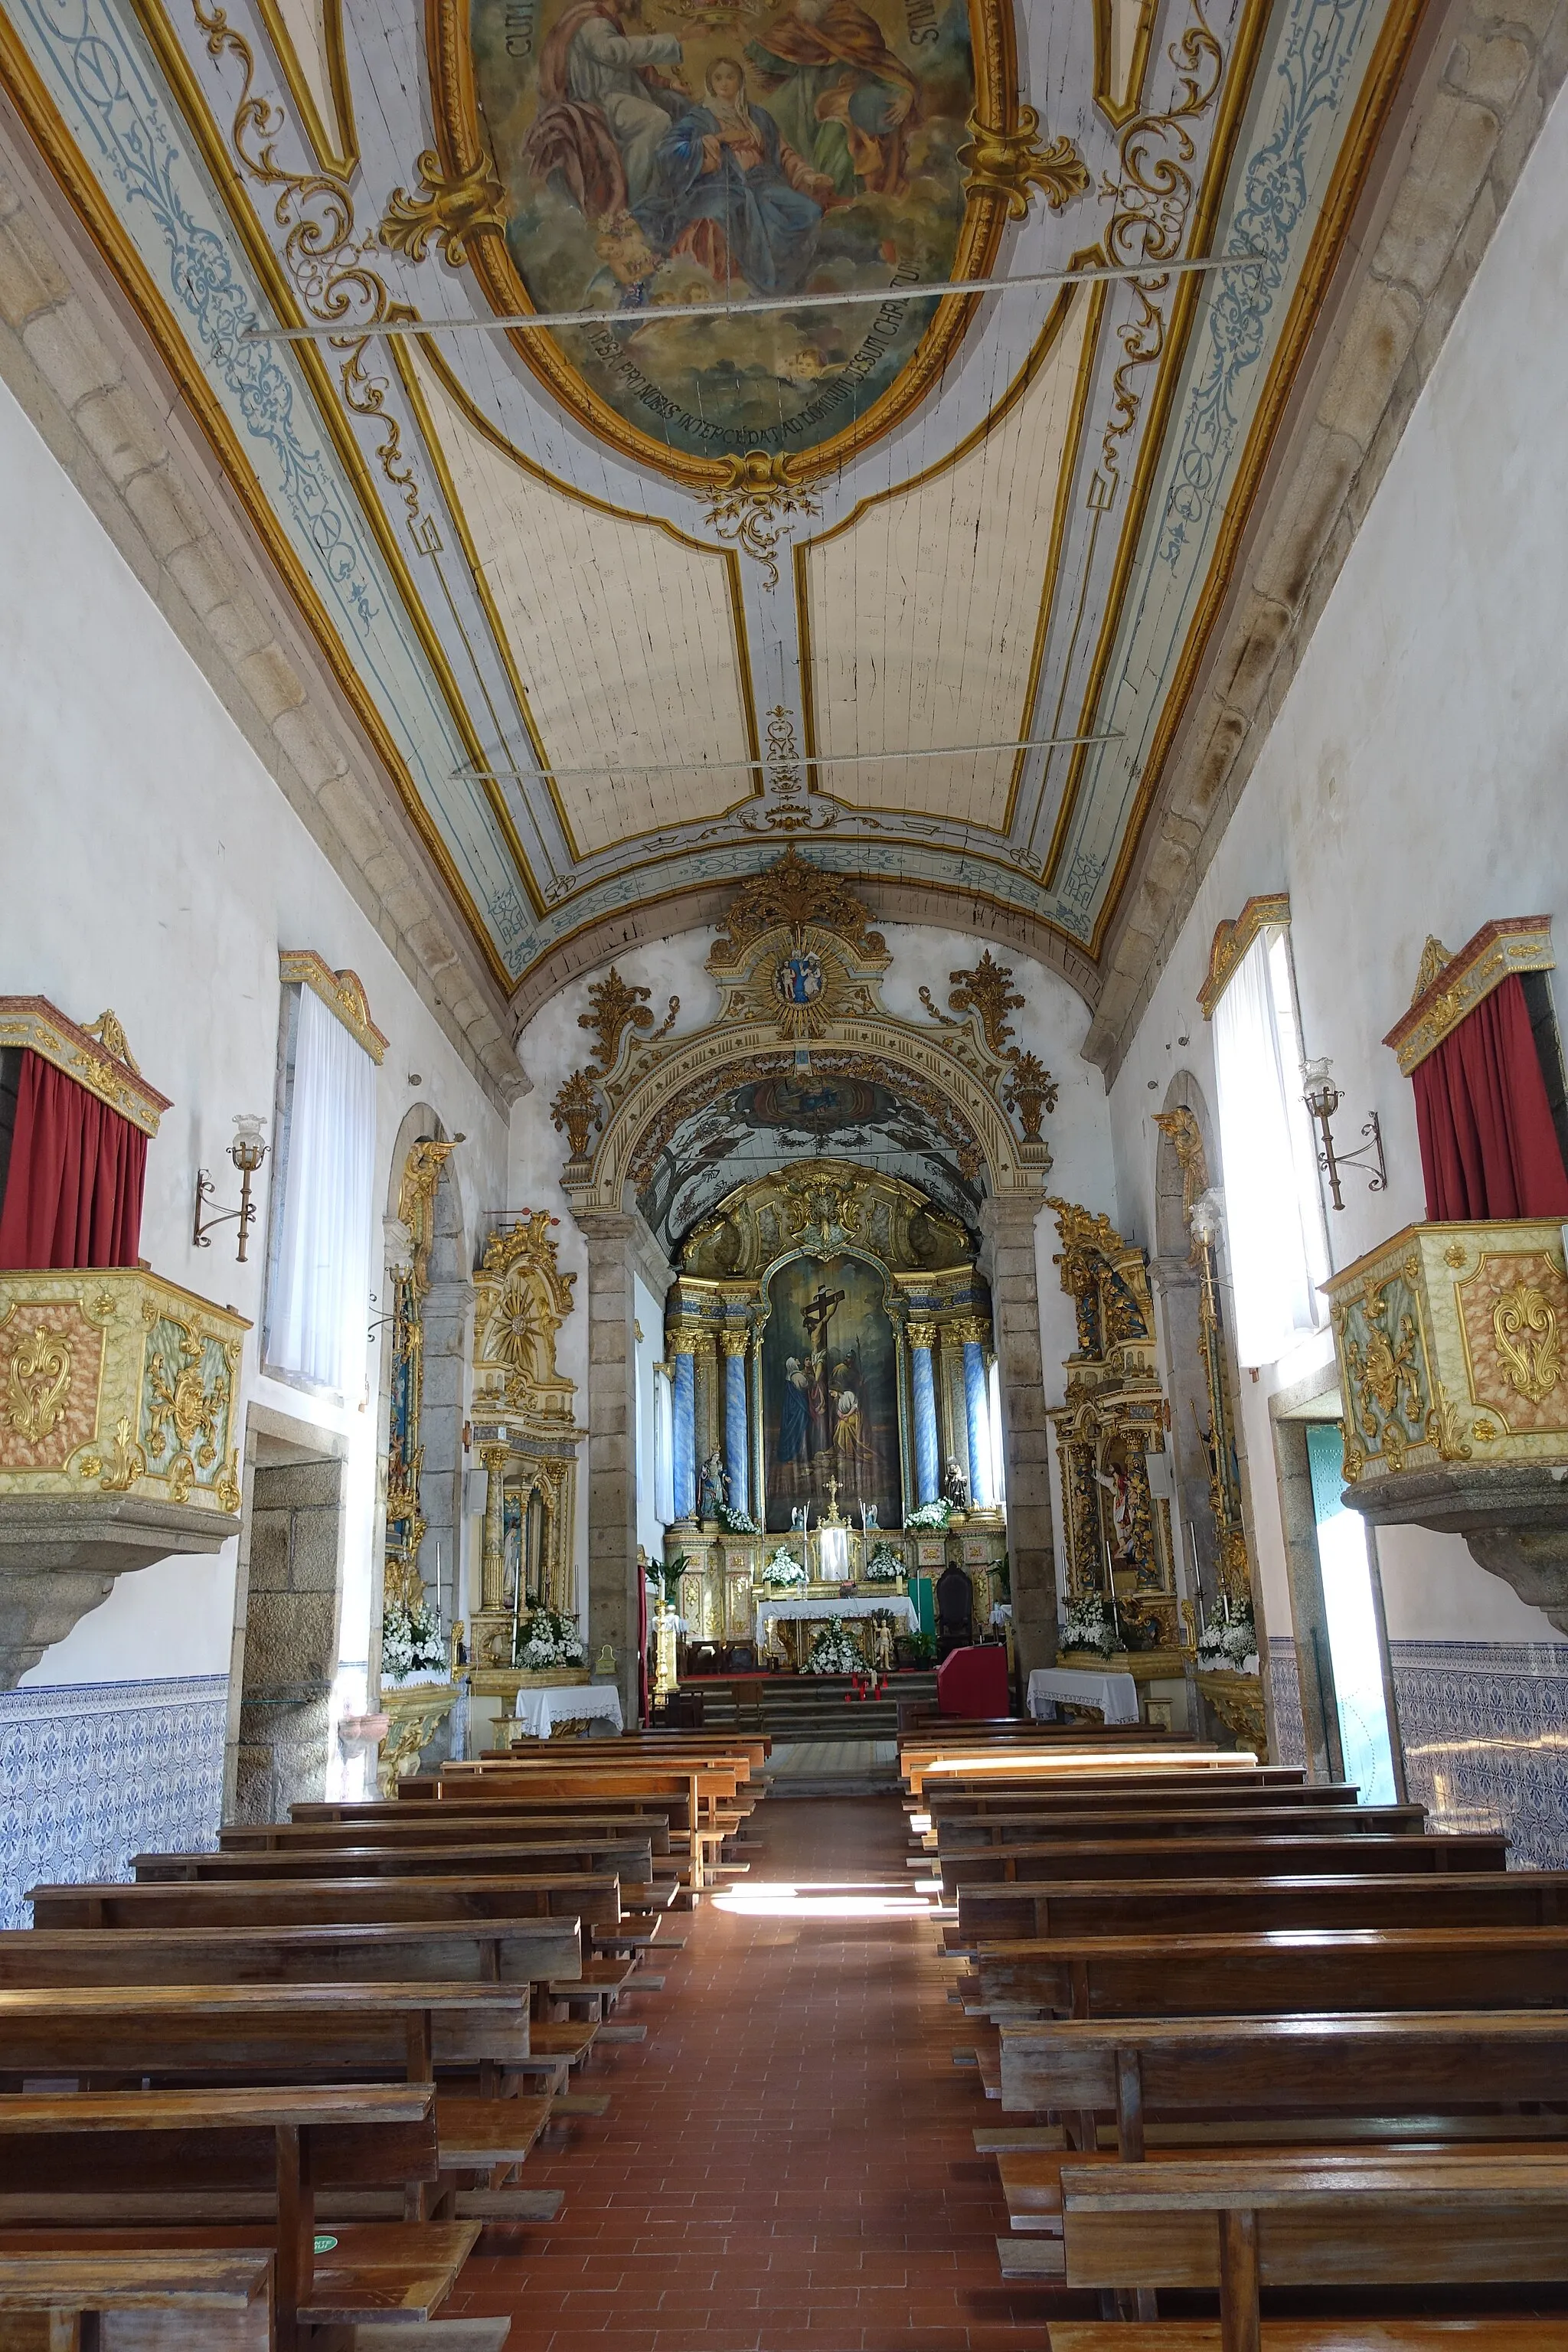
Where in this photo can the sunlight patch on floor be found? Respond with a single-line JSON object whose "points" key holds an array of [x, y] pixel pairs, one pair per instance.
{"points": [[785, 1899]]}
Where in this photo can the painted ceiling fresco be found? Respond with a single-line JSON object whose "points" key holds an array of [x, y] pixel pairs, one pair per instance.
{"points": [[777, 1119], [620, 602]]}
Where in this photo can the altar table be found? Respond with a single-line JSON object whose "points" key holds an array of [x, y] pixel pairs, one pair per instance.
{"points": [[823, 1611], [1115, 1696], [540, 1709]]}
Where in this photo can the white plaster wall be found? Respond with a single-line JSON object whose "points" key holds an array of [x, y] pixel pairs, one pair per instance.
{"points": [[150, 864], [1412, 783]]}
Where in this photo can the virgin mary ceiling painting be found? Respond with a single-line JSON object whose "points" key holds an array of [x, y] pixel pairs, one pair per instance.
{"points": [[660, 153]]}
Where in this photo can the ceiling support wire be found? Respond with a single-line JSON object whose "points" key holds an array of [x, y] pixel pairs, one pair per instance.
{"points": [[537, 322]]}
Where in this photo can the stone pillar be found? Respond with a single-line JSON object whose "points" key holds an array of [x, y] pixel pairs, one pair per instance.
{"points": [[977, 1411], [1007, 1224], [683, 1434], [612, 1418], [928, 1462], [492, 1565], [737, 1433]]}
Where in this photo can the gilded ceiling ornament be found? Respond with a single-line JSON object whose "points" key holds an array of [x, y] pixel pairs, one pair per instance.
{"points": [[1013, 164], [751, 508], [577, 1110], [788, 896], [447, 210], [613, 1007]]}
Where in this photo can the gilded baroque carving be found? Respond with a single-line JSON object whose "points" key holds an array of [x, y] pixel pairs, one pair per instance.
{"points": [[613, 1007], [788, 896], [126, 1464], [1028, 1090], [185, 1400], [1449, 987], [1524, 1326], [37, 1382], [822, 1205], [752, 508], [988, 991], [446, 210], [94, 1054], [1181, 1126], [1015, 164], [577, 1110]]}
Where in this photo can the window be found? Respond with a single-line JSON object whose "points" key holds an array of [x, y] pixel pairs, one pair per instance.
{"points": [[319, 1285], [1273, 1207], [994, 1433], [1350, 1616]]}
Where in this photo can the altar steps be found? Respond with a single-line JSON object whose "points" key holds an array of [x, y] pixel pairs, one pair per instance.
{"points": [[807, 1708]]}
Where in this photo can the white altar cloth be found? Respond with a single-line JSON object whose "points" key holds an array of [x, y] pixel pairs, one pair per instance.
{"points": [[1115, 1696], [898, 1605], [540, 1709]]}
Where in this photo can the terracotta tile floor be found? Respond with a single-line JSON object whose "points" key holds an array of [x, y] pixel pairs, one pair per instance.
{"points": [[788, 2159]]}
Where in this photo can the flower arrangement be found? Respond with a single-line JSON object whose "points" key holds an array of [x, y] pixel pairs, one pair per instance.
{"points": [[1229, 1644], [735, 1521], [834, 1652], [884, 1567], [1087, 1624], [783, 1569], [546, 1637], [412, 1647], [930, 1515]]}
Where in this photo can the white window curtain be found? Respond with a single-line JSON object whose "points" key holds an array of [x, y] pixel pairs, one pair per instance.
{"points": [[318, 1318], [1273, 1207], [998, 1451], [663, 1449]]}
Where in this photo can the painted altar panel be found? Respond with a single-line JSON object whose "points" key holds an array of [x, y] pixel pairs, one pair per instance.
{"points": [[830, 1395]]}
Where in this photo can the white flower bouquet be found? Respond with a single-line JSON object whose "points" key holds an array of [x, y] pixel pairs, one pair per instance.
{"points": [[735, 1521], [548, 1638], [834, 1652], [884, 1567], [1089, 1625], [1229, 1642], [412, 1647], [930, 1515], [783, 1570]]}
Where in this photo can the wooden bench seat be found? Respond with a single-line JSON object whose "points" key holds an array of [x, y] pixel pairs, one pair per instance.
{"points": [[1227, 1857], [1315, 2336], [1357, 1968], [570, 1826], [1229, 1790], [289, 2033], [434, 1951], [629, 1858], [964, 1832], [599, 1986], [591, 1898], [202, 2300], [1241, 2222], [1203, 1905]]}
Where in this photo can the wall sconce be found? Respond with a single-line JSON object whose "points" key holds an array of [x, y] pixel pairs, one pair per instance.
{"points": [[1322, 1099], [397, 1256], [248, 1151]]}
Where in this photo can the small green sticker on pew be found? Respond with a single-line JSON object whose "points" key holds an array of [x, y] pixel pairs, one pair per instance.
{"points": [[325, 2245]]}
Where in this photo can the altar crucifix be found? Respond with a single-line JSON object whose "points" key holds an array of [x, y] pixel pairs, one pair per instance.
{"points": [[817, 1315]]}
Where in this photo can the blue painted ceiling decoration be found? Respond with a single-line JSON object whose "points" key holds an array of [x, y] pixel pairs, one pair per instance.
{"points": [[625, 604]]}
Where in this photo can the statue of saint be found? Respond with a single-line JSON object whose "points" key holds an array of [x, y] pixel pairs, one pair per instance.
{"points": [[955, 1485], [715, 1487]]}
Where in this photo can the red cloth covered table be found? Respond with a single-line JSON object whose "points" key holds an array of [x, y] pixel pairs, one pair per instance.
{"points": [[974, 1683]]}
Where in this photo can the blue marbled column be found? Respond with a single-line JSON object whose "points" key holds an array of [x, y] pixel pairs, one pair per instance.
{"points": [[928, 1469], [736, 1445], [979, 1437], [684, 1450]]}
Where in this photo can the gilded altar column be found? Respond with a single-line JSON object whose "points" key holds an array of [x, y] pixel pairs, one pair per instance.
{"points": [[974, 1334], [736, 1429], [703, 1353], [923, 1383], [492, 1561], [683, 1433]]}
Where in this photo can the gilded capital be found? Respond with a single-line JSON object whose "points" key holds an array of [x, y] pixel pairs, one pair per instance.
{"points": [[970, 1329], [495, 1457], [736, 1342], [921, 1335], [683, 1340]]}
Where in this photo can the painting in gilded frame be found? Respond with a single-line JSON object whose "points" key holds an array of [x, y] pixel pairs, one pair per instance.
{"points": [[660, 152], [830, 1400]]}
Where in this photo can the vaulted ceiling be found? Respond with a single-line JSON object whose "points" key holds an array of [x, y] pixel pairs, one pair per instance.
{"points": [[623, 605]]}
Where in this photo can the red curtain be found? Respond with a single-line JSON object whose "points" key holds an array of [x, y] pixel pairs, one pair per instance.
{"points": [[1488, 1145], [73, 1194]]}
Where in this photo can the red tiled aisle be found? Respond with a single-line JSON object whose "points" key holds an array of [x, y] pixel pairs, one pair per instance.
{"points": [[789, 2157]]}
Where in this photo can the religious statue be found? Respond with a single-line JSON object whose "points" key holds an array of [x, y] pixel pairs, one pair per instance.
{"points": [[955, 1485], [1118, 1487], [714, 1491]]}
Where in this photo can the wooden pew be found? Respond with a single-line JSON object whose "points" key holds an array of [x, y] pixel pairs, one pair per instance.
{"points": [[1275, 1975], [194, 2297], [1422, 2063], [1206, 1906], [158, 2151], [967, 1834], [294, 2032], [1231, 1857], [526, 1826], [499, 1952], [629, 1858], [1188, 1790], [1016, 1767], [1497, 2217], [594, 1900]]}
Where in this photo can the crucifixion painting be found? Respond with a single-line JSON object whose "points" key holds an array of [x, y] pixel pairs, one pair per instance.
{"points": [[830, 1391]]}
